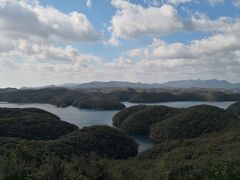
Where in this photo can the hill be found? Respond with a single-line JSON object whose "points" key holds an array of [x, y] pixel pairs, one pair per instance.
{"points": [[201, 142], [193, 122], [62, 97], [138, 119], [209, 84], [163, 123], [102, 140], [32, 124], [234, 108], [111, 99], [213, 156]]}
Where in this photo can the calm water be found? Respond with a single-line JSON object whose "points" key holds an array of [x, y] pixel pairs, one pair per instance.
{"points": [[185, 104], [83, 118]]}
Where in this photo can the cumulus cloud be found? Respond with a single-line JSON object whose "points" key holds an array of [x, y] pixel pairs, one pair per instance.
{"points": [[214, 57], [178, 2], [161, 2], [19, 19], [132, 21], [217, 56], [30, 35], [201, 22], [32, 52]]}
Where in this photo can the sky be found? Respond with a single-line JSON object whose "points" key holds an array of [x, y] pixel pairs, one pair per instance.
{"points": [[45, 42]]}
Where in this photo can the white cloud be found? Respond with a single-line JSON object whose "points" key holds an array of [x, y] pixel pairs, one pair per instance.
{"points": [[89, 3], [201, 22], [214, 57], [31, 52], [161, 2], [132, 21], [21, 20], [177, 2], [236, 3], [215, 2], [217, 56]]}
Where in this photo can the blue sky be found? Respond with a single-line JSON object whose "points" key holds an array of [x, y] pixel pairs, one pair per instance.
{"points": [[101, 12], [135, 40]]}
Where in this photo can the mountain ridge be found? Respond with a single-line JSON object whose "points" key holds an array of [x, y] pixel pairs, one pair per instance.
{"points": [[208, 84]]}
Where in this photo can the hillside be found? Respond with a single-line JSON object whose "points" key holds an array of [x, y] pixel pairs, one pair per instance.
{"points": [[111, 99], [32, 124], [193, 122], [62, 98], [234, 108], [163, 123], [201, 142], [209, 157], [138, 119], [102, 140]]}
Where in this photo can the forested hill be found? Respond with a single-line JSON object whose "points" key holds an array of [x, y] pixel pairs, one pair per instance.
{"points": [[110, 99], [212, 83], [200, 142]]}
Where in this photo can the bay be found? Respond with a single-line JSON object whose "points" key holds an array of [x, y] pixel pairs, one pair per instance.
{"points": [[82, 117]]}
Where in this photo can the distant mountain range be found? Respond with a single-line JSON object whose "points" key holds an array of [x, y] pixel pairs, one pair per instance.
{"points": [[213, 83]]}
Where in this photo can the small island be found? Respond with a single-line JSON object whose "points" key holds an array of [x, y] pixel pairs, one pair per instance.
{"points": [[112, 98]]}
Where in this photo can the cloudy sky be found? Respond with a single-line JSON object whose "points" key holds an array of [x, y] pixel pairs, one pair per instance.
{"points": [[58, 41]]}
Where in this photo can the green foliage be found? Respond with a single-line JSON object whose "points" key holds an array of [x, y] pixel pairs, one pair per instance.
{"points": [[100, 104], [110, 99], [153, 97], [225, 170], [234, 108], [103, 140], [202, 142], [31, 123], [138, 119], [53, 168], [119, 118], [193, 122], [197, 158], [62, 97]]}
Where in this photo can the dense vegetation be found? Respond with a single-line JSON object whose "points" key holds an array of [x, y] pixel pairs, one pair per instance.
{"points": [[201, 142], [62, 98], [103, 141], [31, 123], [163, 123], [121, 115], [193, 122], [212, 157], [100, 104], [110, 99], [234, 108], [79, 154], [138, 119]]}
